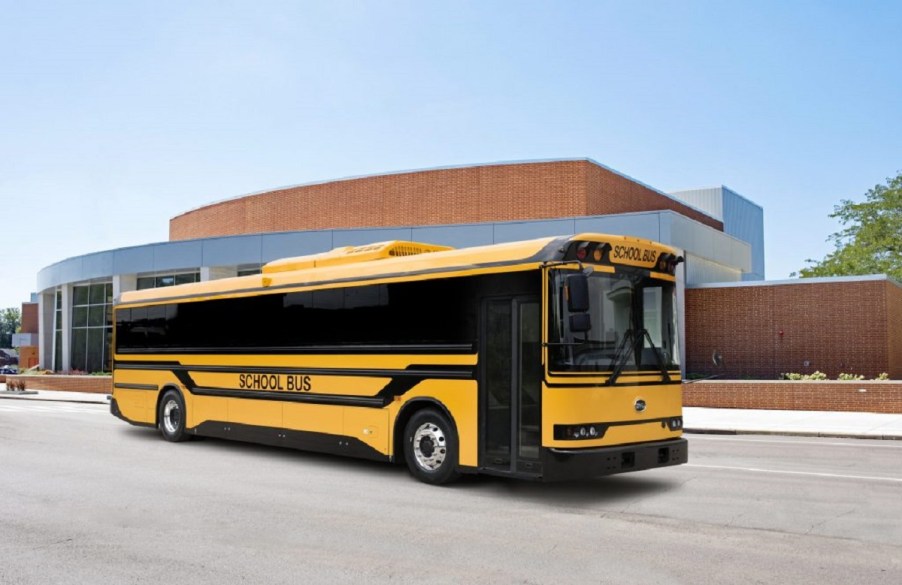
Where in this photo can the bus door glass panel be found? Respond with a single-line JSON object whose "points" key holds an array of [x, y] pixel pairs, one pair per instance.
{"points": [[498, 382], [530, 378], [513, 380]]}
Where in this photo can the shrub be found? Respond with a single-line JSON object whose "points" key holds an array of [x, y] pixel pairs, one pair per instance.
{"points": [[882, 376], [850, 377], [816, 375]]}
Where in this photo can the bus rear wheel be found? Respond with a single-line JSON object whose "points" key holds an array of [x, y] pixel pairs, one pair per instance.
{"points": [[431, 447], [171, 417]]}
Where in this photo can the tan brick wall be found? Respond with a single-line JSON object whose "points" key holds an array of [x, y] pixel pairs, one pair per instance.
{"points": [[885, 397], [90, 384], [510, 192], [764, 331]]}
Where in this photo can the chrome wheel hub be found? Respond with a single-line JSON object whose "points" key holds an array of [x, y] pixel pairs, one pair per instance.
{"points": [[429, 446], [172, 416]]}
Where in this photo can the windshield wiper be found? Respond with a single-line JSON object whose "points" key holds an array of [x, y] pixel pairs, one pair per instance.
{"points": [[626, 348]]}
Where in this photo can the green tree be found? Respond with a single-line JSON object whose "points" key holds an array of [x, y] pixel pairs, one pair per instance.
{"points": [[871, 240], [10, 320]]}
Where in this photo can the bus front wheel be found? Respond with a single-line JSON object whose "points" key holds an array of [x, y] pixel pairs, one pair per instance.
{"points": [[430, 447], [171, 416]]}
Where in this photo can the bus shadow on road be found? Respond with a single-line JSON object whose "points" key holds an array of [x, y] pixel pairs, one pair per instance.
{"points": [[606, 489]]}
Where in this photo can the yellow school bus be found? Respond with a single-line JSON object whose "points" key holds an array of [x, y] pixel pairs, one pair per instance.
{"points": [[547, 359]]}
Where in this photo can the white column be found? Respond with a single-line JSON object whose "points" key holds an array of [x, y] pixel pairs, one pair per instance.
{"points": [[46, 330], [123, 283], [66, 329]]}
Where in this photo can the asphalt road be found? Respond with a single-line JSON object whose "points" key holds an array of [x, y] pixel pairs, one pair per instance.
{"points": [[85, 498]]}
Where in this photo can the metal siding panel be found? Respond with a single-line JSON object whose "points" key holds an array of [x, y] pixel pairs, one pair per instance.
{"points": [[371, 236], [291, 244], [637, 225], [745, 220], [708, 200], [133, 260], [529, 230], [99, 265], [71, 270], [177, 255], [231, 251], [700, 271], [458, 236]]}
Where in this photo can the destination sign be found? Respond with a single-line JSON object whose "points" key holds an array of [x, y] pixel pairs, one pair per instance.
{"points": [[634, 255]]}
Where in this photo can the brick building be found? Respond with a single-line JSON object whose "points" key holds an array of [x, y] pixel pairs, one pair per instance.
{"points": [[456, 206], [461, 195], [764, 329]]}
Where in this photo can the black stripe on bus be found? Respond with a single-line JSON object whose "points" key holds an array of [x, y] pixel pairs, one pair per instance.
{"points": [[415, 371], [280, 437], [153, 387], [615, 385], [306, 397], [351, 350]]}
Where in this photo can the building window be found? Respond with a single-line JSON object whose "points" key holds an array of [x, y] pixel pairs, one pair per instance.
{"points": [[159, 280], [249, 270], [92, 327]]}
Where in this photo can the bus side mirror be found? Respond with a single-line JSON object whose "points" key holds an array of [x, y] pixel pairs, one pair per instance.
{"points": [[580, 323], [578, 293]]}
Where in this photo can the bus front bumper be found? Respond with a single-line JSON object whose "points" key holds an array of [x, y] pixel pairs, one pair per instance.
{"points": [[570, 464]]}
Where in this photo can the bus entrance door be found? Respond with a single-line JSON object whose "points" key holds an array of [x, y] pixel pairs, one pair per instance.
{"points": [[511, 385]]}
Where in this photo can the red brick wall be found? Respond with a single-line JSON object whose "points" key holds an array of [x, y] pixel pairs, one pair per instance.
{"points": [[894, 328], [764, 331], [883, 397], [610, 193], [506, 192], [91, 384], [29, 317]]}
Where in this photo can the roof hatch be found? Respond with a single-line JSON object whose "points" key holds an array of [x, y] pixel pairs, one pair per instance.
{"points": [[352, 255]]}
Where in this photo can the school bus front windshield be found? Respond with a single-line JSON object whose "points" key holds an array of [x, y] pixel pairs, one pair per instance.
{"points": [[631, 324]]}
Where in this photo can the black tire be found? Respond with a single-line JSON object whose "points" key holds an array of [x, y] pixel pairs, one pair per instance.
{"points": [[171, 417], [431, 447]]}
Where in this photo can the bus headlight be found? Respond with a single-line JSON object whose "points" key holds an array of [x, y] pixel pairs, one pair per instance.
{"points": [[584, 432]]}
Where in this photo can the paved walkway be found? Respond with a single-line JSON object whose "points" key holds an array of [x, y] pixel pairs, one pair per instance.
{"points": [[863, 425]]}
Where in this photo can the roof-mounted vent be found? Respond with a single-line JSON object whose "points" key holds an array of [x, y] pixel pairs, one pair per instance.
{"points": [[352, 255]]}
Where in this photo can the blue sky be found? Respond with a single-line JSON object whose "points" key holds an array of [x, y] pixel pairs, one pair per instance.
{"points": [[117, 116]]}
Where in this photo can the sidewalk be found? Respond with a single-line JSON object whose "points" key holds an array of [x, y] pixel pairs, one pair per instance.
{"points": [[862, 425], [55, 396]]}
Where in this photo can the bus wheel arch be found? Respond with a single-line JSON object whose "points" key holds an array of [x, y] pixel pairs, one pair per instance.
{"points": [[426, 434], [172, 415]]}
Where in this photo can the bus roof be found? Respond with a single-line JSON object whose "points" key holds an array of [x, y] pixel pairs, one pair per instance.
{"points": [[381, 261]]}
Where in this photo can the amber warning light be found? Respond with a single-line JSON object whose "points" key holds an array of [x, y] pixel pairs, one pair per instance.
{"points": [[593, 250], [668, 262]]}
